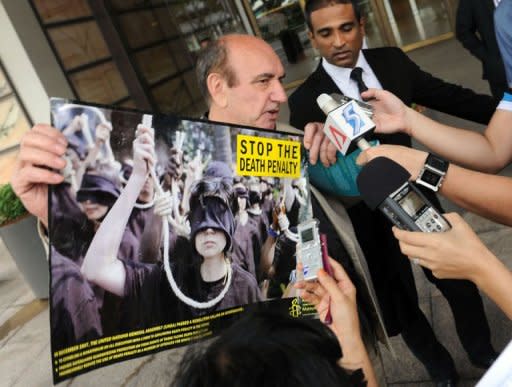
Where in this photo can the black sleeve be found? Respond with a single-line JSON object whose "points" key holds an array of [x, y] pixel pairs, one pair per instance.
{"points": [[466, 30], [141, 294], [303, 107], [449, 98]]}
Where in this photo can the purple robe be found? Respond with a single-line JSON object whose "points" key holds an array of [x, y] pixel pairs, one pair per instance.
{"points": [[75, 313]]}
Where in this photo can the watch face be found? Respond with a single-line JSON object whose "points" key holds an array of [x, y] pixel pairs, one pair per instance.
{"points": [[430, 177]]}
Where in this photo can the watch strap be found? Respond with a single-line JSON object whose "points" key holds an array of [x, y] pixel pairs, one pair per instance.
{"points": [[437, 163]]}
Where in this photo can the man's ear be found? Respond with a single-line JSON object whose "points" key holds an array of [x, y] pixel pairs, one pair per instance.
{"points": [[362, 24], [311, 37], [217, 88]]}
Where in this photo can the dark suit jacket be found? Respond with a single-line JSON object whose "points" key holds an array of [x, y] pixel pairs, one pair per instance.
{"points": [[474, 28], [401, 76]]}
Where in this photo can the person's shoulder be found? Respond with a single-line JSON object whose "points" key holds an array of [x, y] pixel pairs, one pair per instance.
{"points": [[388, 58], [242, 276], [379, 52], [304, 90]]}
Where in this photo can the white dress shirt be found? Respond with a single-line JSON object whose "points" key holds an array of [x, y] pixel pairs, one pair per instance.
{"points": [[341, 77]]}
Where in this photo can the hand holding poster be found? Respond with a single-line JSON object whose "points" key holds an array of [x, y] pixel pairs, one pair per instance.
{"points": [[163, 232]]}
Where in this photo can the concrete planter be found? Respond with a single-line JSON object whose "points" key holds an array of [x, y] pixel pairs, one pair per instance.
{"points": [[27, 251]]}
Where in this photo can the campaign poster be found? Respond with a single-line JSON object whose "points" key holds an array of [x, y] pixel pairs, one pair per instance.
{"points": [[165, 230]]}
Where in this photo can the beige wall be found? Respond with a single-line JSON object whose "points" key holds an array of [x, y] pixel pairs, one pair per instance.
{"points": [[29, 60]]}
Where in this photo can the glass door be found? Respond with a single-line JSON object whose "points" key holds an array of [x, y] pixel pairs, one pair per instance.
{"points": [[418, 22], [404, 23]]}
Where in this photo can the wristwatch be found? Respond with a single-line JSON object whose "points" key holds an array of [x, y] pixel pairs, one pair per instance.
{"points": [[433, 172]]}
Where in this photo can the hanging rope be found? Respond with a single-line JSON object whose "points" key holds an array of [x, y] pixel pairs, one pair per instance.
{"points": [[146, 122]]}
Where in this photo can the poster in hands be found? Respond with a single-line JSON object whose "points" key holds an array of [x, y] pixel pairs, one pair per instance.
{"points": [[165, 230]]}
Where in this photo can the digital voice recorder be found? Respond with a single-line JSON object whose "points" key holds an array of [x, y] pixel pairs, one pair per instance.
{"points": [[385, 185], [309, 248]]}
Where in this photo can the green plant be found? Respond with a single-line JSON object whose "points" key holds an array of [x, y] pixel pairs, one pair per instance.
{"points": [[11, 207]]}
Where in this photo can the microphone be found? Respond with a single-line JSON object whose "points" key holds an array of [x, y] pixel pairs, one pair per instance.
{"points": [[347, 123], [385, 185]]}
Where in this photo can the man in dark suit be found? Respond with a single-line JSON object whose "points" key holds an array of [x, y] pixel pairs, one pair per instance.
{"points": [[474, 28], [337, 31]]}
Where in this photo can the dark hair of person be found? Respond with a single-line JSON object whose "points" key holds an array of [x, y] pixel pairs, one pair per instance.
{"points": [[240, 192], [214, 59], [314, 5], [268, 349]]}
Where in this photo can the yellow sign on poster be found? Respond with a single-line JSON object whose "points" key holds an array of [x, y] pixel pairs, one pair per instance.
{"points": [[262, 156]]}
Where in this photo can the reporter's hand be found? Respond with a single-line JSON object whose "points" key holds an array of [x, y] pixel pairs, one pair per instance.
{"points": [[389, 112], [41, 153], [319, 145], [339, 295], [411, 159], [457, 253]]}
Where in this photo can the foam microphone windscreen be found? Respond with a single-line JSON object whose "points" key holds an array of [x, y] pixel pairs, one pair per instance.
{"points": [[379, 178]]}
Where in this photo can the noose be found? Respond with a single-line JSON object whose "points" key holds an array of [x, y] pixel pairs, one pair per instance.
{"points": [[147, 123]]}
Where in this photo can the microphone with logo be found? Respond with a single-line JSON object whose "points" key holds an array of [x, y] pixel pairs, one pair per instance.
{"points": [[348, 124], [385, 185]]}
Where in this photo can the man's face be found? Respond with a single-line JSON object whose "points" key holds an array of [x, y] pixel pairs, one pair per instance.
{"points": [[337, 34], [256, 97]]}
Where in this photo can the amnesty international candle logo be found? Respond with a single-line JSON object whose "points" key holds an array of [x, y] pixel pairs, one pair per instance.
{"points": [[295, 308], [261, 156]]}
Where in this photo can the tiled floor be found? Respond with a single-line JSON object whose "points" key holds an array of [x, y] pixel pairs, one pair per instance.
{"points": [[24, 322]]}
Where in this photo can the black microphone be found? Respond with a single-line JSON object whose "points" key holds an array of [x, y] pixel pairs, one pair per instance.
{"points": [[385, 185]]}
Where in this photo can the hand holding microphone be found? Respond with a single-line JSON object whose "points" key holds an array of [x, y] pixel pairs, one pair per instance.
{"points": [[347, 124], [409, 158], [390, 114], [385, 185], [319, 147]]}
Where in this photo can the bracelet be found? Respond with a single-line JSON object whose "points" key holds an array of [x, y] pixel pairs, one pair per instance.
{"points": [[273, 233]]}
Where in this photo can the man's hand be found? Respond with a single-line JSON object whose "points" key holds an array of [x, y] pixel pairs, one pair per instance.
{"points": [[319, 144], [411, 159], [41, 153]]}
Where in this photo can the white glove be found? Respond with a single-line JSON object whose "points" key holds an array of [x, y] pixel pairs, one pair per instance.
{"points": [[283, 221]]}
